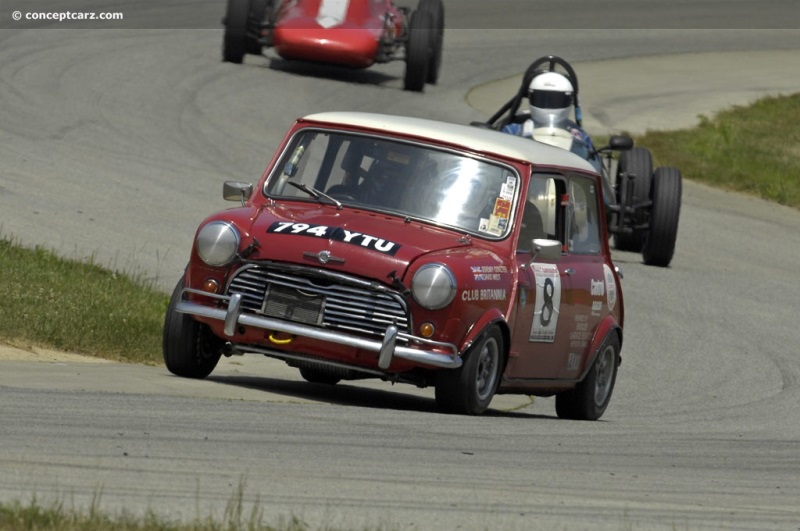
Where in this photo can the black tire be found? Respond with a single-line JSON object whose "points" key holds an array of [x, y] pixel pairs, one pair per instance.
{"points": [[659, 247], [639, 162], [590, 398], [189, 348], [436, 9], [243, 19], [258, 14], [418, 50], [469, 389]]}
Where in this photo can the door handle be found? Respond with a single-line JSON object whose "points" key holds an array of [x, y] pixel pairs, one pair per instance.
{"points": [[569, 271]]}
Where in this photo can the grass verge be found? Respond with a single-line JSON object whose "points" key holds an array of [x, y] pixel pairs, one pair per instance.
{"points": [[78, 307]]}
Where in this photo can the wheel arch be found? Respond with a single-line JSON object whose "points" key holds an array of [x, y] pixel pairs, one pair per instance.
{"points": [[492, 317], [607, 326]]}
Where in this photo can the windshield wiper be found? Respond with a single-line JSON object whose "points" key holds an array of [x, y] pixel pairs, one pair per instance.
{"points": [[316, 194]]}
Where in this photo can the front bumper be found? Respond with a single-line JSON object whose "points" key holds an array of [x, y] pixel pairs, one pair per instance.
{"points": [[385, 349]]}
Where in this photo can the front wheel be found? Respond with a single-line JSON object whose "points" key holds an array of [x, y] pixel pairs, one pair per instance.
{"points": [[189, 348], [589, 399], [638, 162], [666, 194], [469, 389]]}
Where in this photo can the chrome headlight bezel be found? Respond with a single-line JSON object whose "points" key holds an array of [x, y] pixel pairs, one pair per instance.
{"points": [[217, 243], [434, 286]]}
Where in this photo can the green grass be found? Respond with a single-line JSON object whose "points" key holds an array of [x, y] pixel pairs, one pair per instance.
{"points": [[78, 307], [755, 149], [50, 302]]}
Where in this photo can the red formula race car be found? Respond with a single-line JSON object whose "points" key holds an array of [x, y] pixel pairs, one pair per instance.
{"points": [[412, 251], [352, 33]]}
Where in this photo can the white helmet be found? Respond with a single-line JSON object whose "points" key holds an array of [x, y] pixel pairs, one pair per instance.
{"points": [[551, 99]]}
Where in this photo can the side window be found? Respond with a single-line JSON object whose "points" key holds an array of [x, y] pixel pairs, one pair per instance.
{"points": [[542, 214], [583, 225]]}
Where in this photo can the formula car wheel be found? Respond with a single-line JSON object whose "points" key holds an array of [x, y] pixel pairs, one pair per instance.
{"points": [[469, 389], [243, 19], [666, 195], [639, 162], [436, 9], [418, 50], [590, 398], [189, 348], [259, 12]]}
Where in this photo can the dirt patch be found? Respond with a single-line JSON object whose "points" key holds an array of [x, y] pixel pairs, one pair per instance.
{"points": [[9, 353]]}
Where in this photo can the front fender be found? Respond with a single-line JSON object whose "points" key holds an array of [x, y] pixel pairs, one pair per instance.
{"points": [[490, 317]]}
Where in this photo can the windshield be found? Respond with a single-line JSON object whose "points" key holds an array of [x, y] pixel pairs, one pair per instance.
{"points": [[410, 180]]}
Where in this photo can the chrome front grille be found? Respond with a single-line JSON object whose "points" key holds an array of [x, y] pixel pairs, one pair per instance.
{"points": [[319, 301]]}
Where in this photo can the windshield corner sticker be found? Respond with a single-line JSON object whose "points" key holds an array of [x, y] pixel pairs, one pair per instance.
{"points": [[336, 234], [611, 287], [498, 220], [547, 304]]}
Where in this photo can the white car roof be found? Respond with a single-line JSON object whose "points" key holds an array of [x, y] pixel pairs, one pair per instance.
{"points": [[469, 137]]}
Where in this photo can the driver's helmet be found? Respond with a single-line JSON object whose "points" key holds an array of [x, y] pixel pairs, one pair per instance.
{"points": [[551, 98]]}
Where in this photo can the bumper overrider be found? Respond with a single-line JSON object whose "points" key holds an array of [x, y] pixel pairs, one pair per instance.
{"points": [[386, 349]]}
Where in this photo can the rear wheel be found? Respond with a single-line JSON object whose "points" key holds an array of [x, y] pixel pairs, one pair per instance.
{"points": [[659, 246], [418, 50], [639, 162], [436, 9], [189, 348], [590, 398], [469, 389]]}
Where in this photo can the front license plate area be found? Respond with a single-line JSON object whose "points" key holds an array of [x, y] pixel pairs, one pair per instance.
{"points": [[291, 304]]}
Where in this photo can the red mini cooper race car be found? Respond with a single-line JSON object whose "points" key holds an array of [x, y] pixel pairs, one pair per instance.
{"points": [[353, 33], [412, 251]]}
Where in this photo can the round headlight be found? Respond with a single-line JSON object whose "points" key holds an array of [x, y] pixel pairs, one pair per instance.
{"points": [[217, 243], [433, 286]]}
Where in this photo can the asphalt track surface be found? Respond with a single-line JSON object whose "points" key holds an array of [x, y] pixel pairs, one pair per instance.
{"points": [[114, 143]]}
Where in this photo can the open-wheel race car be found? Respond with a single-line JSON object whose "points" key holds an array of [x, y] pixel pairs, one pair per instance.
{"points": [[413, 251], [351, 33], [643, 204]]}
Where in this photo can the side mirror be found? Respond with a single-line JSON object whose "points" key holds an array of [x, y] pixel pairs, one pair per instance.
{"points": [[236, 191], [542, 249]]}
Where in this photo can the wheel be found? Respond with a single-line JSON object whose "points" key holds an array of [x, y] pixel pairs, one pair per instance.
{"points": [[589, 399], [189, 348], [418, 50], [436, 9], [469, 389], [318, 376], [243, 19], [639, 162], [258, 14], [666, 195]]}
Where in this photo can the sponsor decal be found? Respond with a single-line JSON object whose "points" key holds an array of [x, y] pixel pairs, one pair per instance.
{"points": [[611, 290], [336, 234], [547, 304], [483, 295], [598, 288], [488, 272], [572, 361]]}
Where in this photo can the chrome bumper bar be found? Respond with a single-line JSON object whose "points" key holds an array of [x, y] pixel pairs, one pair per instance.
{"points": [[385, 349]]}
